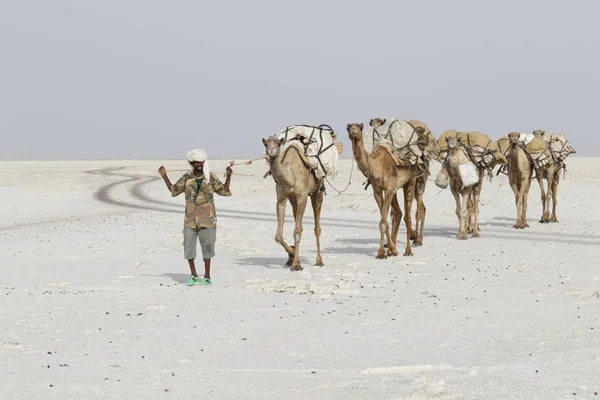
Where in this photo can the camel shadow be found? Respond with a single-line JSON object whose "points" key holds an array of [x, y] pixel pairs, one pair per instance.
{"points": [[440, 232], [357, 241], [268, 262], [367, 251]]}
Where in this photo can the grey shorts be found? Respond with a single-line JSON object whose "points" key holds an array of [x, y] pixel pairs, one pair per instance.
{"points": [[206, 237]]}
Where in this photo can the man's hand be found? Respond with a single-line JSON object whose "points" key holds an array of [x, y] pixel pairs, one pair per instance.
{"points": [[162, 171], [229, 171]]}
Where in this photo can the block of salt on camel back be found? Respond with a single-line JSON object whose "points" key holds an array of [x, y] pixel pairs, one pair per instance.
{"points": [[502, 144], [468, 174], [526, 138], [318, 142], [539, 152], [482, 149], [442, 179], [478, 144], [471, 139], [536, 148], [559, 145], [399, 135]]}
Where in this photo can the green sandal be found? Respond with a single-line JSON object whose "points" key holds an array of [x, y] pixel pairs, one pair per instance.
{"points": [[205, 282], [192, 281]]}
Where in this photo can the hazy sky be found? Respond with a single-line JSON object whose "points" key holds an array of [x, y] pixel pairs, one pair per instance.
{"points": [[82, 79]]}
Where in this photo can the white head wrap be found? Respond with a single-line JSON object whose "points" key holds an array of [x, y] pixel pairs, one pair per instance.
{"points": [[200, 156]]}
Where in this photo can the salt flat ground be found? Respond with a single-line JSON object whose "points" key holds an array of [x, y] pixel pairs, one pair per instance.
{"points": [[94, 303]]}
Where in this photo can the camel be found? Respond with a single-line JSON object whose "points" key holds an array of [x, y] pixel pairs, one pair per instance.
{"points": [[550, 172], [473, 205], [386, 178], [420, 179], [294, 181], [473, 201], [466, 198], [520, 171]]}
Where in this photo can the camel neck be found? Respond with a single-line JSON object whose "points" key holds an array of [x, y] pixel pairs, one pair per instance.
{"points": [[360, 154]]}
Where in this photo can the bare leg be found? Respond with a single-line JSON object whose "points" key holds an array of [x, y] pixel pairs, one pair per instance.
{"points": [[298, 233], [207, 268], [317, 201], [193, 267]]}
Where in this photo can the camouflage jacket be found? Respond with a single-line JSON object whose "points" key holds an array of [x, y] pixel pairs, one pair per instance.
{"points": [[199, 205]]}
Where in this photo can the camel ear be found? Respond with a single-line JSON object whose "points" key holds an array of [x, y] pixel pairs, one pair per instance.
{"points": [[371, 122], [384, 121], [361, 126], [348, 127], [264, 141], [281, 141]]}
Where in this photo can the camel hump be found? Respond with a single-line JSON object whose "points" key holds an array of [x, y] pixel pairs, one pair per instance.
{"points": [[295, 145]]}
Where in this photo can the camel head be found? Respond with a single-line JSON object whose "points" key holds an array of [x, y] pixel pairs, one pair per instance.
{"points": [[433, 147], [272, 146], [355, 131], [539, 132], [452, 142], [513, 138], [376, 122]]}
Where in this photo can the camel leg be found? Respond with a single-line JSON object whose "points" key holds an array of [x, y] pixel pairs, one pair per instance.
{"points": [[470, 214], [549, 196], [525, 190], [461, 233], [396, 218], [462, 230], [317, 201], [515, 188], [379, 200], [545, 214], [519, 199], [294, 204], [384, 227], [554, 218], [476, 195], [409, 192], [388, 199], [281, 203], [301, 206], [413, 232], [419, 215]]}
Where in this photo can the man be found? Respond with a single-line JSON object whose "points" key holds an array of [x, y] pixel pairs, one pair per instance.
{"points": [[200, 220]]}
